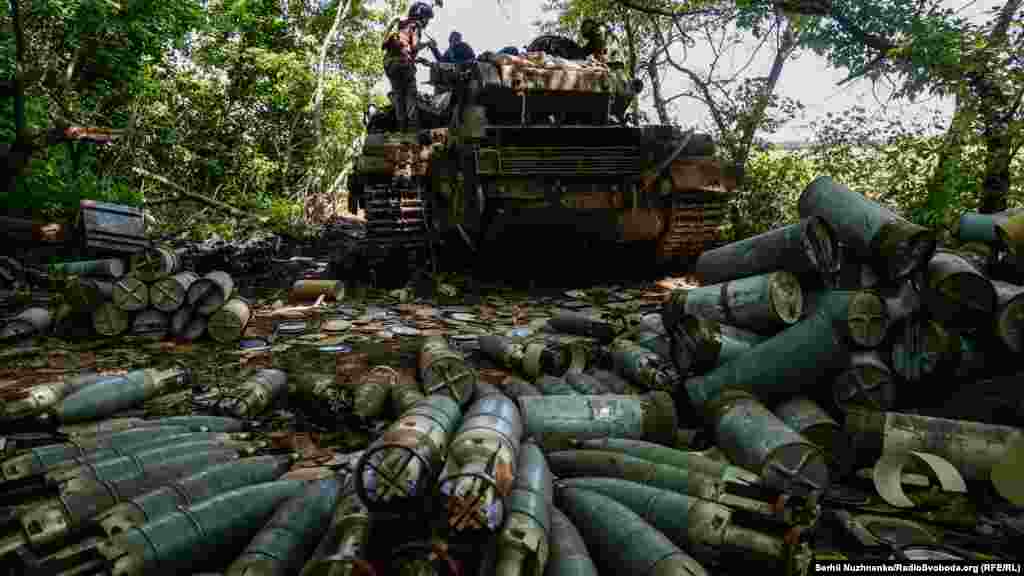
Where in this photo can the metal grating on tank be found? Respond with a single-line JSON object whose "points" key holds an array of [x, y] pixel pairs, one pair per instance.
{"points": [[396, 218], [695, 220]]}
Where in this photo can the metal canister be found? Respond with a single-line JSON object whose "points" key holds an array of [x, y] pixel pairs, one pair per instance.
{"points": [[131, 294], [974, 227], [1010, 315], [109, 268], [195, 328], [557, 421], [866, 382], [210, 292], [806, 418], [227, 324], [956, 293], [168, 294], [764, 304], [30, 322], [179, 320], [151, 324], [307, 290], [444, 371], [155, 263]]}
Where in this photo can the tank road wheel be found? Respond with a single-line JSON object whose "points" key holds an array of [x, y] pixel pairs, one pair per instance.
{"points": [[693, 222], [396, 228]]}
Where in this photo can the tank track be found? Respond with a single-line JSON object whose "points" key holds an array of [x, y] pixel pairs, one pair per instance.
{"points": [[396, 222], [693, 224]]}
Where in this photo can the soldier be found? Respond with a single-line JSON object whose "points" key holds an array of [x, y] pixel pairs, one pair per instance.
{"points": [[400, 50], [595, 45], [458, 51]]}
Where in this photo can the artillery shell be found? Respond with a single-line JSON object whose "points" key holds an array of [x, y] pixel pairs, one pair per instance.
{"points": [[755, 439], [764, 304], [30, 322], [504, 351], [659, 454], [201, 534], [581, 325], [808, 247], [480, 465], [555, 421], [155, 263], [903, 304], [585, 383], [192, 489], [921, 348], [150, 324], [1010, 315], [698, 344], [309, 290], [655, 343], [622, 541], [516, 387], [109, 268], [895, 246], [806, 418], [169, 294], [867, 381], [345, 544], [642, 367], [228, 323], [705, 528], [71, 511], [109, 320], [523, 542], [974, 227], [395, 471], [258, 393], [973, 447], [130, 294], [444, 371], [42, 397], [568, 553], [195, 328], [373, 390], [193, 423], [598, 463], [284, 543], [110, 396], [615, 383], [861, 315], [210, 292], [405, 393], [956, 293], [553, 386]]}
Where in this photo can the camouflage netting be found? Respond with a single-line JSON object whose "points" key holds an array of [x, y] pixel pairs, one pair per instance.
{"points": [[543, 72]]}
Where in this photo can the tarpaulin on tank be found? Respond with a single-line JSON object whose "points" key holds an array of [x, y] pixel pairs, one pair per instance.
{"points": [[544, 72]]}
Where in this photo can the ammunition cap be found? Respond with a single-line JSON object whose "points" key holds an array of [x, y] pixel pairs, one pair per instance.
{"points": [[121, 518], [45, 523]]}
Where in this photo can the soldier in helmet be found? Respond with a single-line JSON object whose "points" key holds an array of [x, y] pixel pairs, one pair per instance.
{"points": [[594, 44], [458, 50], [400, 50]]}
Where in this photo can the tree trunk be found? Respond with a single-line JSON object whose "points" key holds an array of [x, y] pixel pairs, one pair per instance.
{"points": [[631, 45], [949, 156], [996, 186], [659, 100]]}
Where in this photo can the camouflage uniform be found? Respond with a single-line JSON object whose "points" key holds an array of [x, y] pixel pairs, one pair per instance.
{"points": [[400, 67]]}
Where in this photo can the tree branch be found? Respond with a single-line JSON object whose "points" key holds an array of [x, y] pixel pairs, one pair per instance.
{"points": [[665, 13], [192, 195]]}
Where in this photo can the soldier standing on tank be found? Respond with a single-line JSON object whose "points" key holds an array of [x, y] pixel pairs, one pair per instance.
{"points": [[458, 50], [400, 50], [594, 44]]}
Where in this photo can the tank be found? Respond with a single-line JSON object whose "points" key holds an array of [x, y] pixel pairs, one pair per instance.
{"points": [[512, 149]]}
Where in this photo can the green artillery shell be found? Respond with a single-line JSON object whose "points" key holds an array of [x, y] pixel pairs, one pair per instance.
{"points": [[155, 263], [754, 438], [901, 303], [800, 356], [201, 534], [597, 463], [891, 243], [130, 294], [109, 268], [85, 476], [506, 352], [396, 470], [30, 322], [444, 371], [699, 344], [42, 397], [974, 227], [285, 542], [585, 383], [693, 461], [193, 423], [956, 293], [168, 294], [343, 547], [195, 328], [860, 315], [764, 304], [480, 466], [654, 342], [581, 325], [228, 323], [921, 348], [867, 382], [45, 458], [615, 383], [568, 555], [150, 324], [192, 489], [1010, 315], [973, 447], [523, 542], [110, 396], [179, 321], [210, 292], [642, 367], [807, 248], [703, 527], [405, 393], [310, 290], [259, 392], [372, 391], [109, 320], [516, 387], [803, 416], [622, 541], [554, 386], [555, 421], [1011, 237], [71, 511]]}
